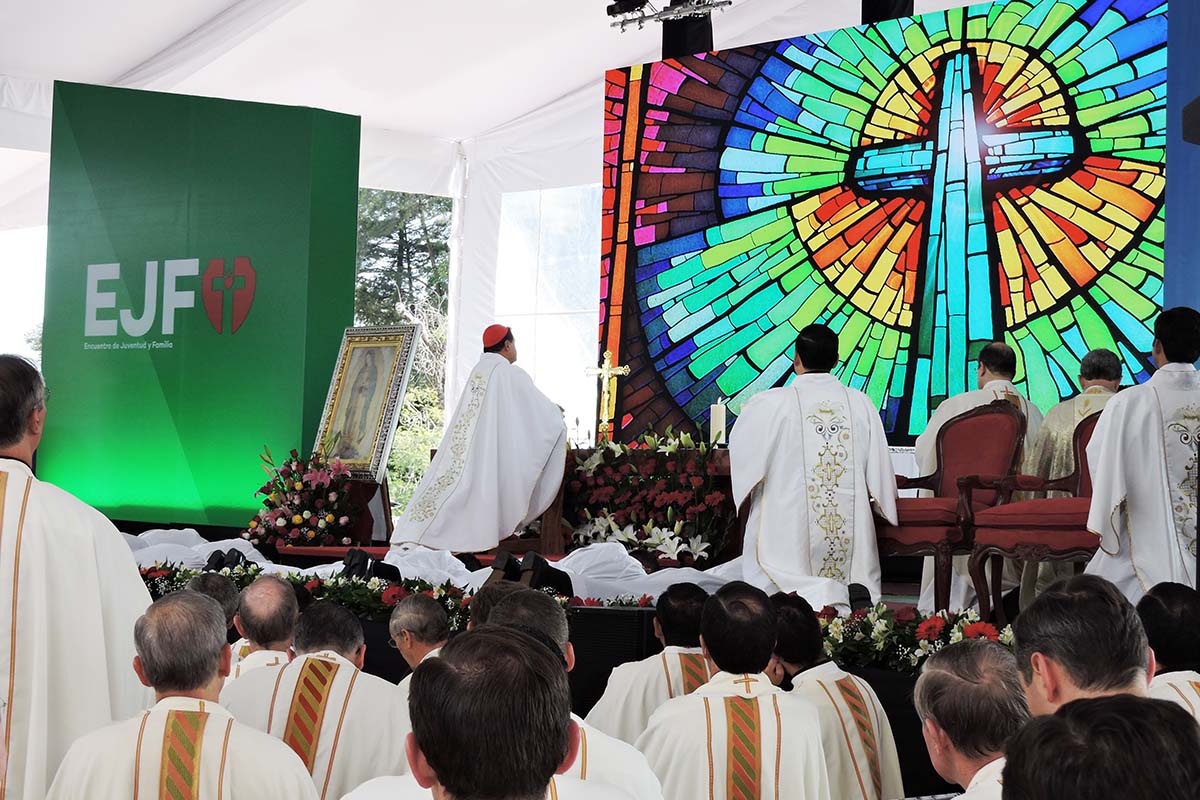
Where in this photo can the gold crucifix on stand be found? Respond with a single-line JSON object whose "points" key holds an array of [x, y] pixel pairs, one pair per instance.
{"points": [[607, 374]]}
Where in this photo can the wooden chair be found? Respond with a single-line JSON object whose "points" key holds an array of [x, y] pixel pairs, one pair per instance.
{"points": [[983, 441], [1046, 529]]}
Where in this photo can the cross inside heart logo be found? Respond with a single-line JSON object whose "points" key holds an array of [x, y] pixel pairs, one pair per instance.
{"points": [[219, 283]]}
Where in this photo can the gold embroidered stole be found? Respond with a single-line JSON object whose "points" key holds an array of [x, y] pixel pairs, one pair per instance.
{"points": [[306, 714], [860, 712]]}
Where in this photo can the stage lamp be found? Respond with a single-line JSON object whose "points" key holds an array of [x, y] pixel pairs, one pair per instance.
{"points": [[622, 7]]}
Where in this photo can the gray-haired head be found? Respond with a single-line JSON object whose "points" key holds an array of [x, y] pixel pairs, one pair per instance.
{"points": [[535, 613], [21, 393], [423, 617], [328, 626], [972, 691], [1100, 365], [219, 588], [179, 641], [268, 611]]}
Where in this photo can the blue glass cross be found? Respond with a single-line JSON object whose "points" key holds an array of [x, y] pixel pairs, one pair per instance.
{"points": [[962, 159]]}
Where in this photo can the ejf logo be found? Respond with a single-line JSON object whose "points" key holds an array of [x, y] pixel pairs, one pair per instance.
{"points": [[221, 289]]}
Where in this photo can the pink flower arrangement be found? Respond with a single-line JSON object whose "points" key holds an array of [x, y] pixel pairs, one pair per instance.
{"points": [[305, 502]]}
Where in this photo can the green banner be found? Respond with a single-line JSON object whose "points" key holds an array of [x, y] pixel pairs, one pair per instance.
{"points": [[200, 272]]}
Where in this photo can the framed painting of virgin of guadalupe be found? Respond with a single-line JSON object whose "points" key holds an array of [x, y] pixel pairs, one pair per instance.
{"points": [[364, 398]]}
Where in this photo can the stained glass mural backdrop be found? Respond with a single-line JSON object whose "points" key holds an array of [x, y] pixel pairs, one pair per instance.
{"points": [[924, 186]]}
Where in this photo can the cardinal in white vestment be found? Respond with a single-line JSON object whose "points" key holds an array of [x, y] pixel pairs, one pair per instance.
{"points": [[500, 464], [186, 747], [266, 619], [996, 369], [1053, 453], [1170, 615], [738, 735], [346, 726], [860, 751], [812, 459], [71, 592], [602, 759], [1144, 458], [635, 690]]}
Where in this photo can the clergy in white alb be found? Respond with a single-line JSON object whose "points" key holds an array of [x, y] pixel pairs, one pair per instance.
{"points": [[345, 725], [1170, 615], [860, 751], [70, 591], [266, 619], [996, 368], [1144, 458], [419, 629], [738, 735], [971, 704], [636, 689], [186, 747], [500, 463], [603, 759], [812, 460], [1053, 453]]}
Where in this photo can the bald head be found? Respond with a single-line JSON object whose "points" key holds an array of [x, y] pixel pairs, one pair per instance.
{"points": [[267, 613], [180, 643]]}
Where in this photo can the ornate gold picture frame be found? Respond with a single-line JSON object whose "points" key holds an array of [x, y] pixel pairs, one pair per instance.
{"points": [[369, 381]]}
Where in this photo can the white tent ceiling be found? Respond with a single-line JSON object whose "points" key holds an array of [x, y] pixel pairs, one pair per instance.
{"points": [[423, 76]]}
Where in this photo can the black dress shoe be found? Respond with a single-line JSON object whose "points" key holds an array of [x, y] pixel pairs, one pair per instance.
{"points": [[234, 558], [385, 572], [538, 573], [216, 561], [860, 597], [356, 564], [504, 568]]}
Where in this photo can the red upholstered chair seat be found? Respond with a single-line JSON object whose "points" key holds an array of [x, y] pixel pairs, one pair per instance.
{"points": [[1057, 540], [930, 510], [1054, 512]]}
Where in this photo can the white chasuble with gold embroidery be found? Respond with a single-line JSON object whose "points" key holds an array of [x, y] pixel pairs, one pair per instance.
{"points": [[1181, 687], [70, 594], [1143, 458], [499, 465], [812, 458], [346, 726], [860, 751], [181, 749], [738, 737], [636, 690]]}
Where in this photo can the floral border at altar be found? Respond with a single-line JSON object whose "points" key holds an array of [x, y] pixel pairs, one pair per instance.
{"points": [[371, 599], [655, 496], [901, 639], [305, 502]]}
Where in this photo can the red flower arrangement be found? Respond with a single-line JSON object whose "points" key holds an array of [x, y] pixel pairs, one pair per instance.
{"points": [[305, 502], [931, 629], [981, 630]]}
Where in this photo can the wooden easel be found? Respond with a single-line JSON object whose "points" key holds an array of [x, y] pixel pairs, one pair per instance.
{"points": [[361, 494]]}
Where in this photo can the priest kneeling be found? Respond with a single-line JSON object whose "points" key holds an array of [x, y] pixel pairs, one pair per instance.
{"points": [[500, 463], [186, 745], [812, 460]]}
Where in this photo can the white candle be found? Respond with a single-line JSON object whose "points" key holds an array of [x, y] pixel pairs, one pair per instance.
{"points": [[716, 422]]}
